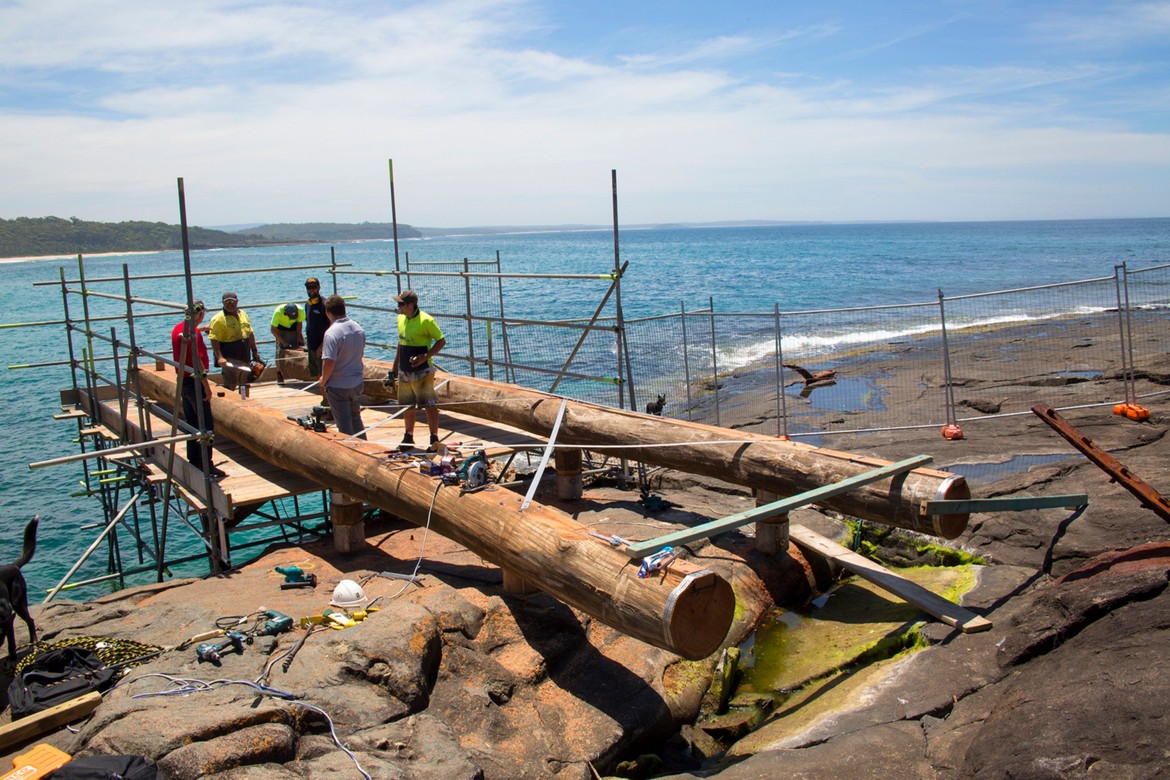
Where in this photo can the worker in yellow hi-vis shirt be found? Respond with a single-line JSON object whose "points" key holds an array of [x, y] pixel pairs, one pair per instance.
{"points": [[419, 340]]}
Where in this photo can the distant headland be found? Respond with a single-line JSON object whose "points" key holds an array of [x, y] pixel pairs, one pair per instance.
{"points": [[55, 236]]}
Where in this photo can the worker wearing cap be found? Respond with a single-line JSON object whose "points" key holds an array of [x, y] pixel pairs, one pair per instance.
{"points": [[419, 340], [192, 357], [316, 323], [286, 329], [232, 340]]}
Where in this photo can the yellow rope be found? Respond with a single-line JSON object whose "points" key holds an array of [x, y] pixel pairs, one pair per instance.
{"points": [[111, 652]]}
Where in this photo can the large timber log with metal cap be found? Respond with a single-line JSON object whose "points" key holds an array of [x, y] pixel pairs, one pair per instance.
{"points": [[683, 609], [784, 468]]}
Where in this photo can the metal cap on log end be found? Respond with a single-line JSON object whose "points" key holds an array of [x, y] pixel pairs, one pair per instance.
{"points": [[698, 614], [950, 526]]}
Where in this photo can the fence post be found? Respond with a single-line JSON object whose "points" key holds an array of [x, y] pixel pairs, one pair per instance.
{"points": [[781, 404], [714, 358], [1120, 283], [949, 395], [682, 306]]}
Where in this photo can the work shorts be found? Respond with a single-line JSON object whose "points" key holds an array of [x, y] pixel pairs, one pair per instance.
{"points": [[420, 393]]}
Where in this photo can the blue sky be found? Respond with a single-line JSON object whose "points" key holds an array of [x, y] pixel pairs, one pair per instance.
{"points": [[515, 111]]}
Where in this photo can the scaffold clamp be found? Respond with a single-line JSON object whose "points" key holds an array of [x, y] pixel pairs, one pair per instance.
{"points": [[658, 560], [612, 539]]}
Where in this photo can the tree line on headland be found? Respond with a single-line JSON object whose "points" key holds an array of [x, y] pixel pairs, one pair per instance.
{"points": [[42, 236]]}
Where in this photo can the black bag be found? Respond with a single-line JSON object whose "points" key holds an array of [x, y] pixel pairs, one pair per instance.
{"points": [[58, 676], [107, 768]]}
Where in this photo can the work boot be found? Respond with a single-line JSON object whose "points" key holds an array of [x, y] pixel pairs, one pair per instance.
{"points": [[279, 378], [407, 442], [434, 443]]}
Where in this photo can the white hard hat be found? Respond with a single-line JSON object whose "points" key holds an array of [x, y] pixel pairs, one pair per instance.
{"points": [[348, 595]]}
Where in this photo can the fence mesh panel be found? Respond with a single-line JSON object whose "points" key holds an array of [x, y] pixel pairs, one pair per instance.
{"points": [[1148, 318], [1045, 340], [842, 371]]}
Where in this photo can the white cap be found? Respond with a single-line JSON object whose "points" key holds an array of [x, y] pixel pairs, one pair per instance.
{"points": [[349, 595]]}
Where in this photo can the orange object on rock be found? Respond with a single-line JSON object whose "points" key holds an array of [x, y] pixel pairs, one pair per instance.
{"points": [[1132, 411], [952, 432], [38, 762]]}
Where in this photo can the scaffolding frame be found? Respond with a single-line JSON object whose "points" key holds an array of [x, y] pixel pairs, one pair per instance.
{"points": [[141, 500]]}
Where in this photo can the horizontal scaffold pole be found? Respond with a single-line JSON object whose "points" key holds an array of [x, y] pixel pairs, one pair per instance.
{"points": [[776, 508], [40, 464], [1010, 504]]}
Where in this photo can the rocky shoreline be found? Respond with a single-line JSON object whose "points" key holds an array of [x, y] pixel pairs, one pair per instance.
{"points": [[454, 678]]}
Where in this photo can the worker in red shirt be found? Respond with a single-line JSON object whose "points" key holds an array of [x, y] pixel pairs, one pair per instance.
{"points": [[195, 369]]}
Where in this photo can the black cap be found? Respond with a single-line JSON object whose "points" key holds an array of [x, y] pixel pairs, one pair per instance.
{"points": [[312, 280], [290, 310], [407, 296]]}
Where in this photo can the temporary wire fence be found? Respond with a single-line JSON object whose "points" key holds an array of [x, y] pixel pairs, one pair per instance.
{"points": [[966, 361], [962, 360]]}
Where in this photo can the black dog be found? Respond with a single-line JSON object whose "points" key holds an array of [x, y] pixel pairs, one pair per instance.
{"points": [[655, 407], [14, 593]]}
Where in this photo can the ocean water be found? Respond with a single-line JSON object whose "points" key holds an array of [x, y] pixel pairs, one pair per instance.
{"points": [[735, 269]]}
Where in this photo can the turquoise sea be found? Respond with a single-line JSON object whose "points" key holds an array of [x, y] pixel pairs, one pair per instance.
{"points": [[737, 269]]}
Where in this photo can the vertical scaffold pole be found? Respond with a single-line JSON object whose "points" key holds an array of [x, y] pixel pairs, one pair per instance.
{"points": [[618, 268], [68, 329], [189, 341], [88, 373], [508, 367], [470, 321], [394, 221], [686, 350], [333, 267], [132, 362]]}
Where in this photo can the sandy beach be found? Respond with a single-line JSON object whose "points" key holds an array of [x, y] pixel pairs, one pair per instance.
{"points": [[73, 256]]}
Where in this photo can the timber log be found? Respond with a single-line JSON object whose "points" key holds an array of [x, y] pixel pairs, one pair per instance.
{"points": [[685, 609], [784, 468]]}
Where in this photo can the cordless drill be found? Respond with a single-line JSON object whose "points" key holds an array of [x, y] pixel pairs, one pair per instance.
{"points": [[213, 651], [277, 623]]}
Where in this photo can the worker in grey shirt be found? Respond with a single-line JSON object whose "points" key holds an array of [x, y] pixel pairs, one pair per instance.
{"points": [[341, 367]]}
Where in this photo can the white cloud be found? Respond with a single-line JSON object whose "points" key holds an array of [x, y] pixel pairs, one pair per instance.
{"points": [[288, 112], [1113, 24]]}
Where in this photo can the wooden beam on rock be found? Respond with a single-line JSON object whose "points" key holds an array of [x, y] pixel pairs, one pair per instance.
{"points": [[785, 468], [683, 609]]}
